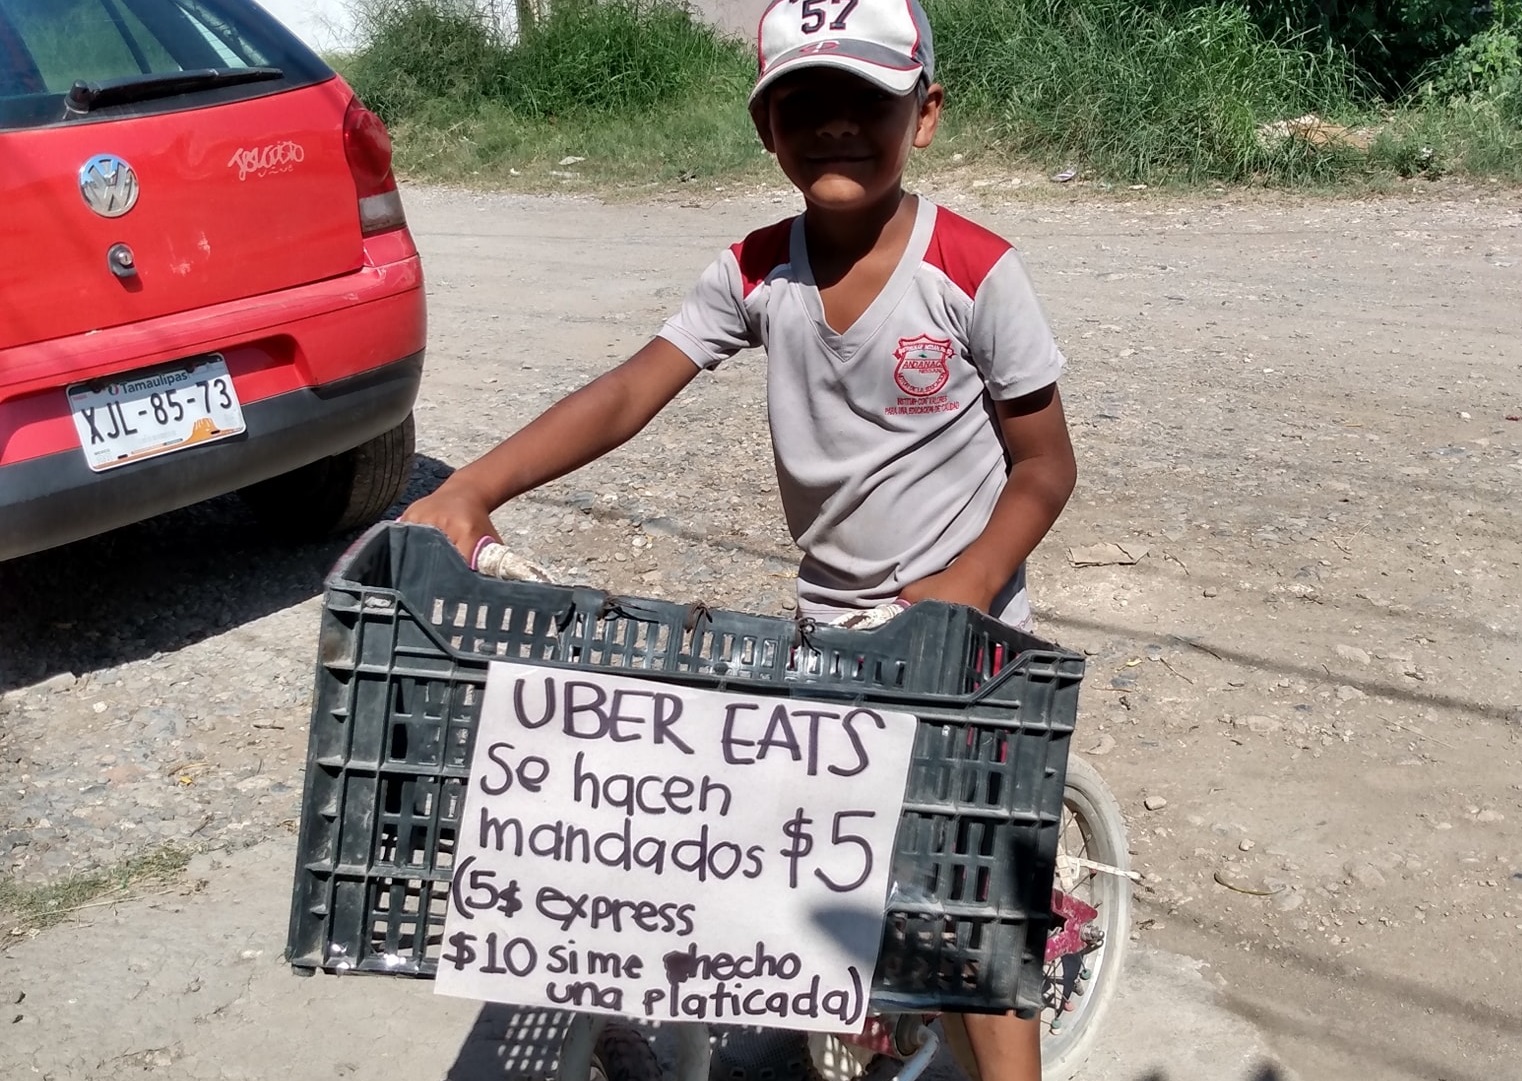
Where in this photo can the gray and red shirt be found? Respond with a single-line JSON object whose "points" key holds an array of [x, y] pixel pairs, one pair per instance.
{"points": [[889, 456]]}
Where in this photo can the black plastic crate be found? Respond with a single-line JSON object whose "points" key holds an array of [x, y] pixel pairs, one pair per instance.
{"points": [[408, 631]]}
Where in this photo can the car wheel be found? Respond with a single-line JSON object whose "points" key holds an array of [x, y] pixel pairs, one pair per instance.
{"points": [[334, 495]]}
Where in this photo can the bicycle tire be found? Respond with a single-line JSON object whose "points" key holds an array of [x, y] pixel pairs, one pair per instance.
{"points": [[767, 1054], [621, 1053], [1089, 805]]}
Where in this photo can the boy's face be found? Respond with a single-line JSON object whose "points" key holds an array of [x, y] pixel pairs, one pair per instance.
{"points": [[840, 139]]}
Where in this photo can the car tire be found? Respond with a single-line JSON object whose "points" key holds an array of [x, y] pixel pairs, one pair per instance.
{"points": [[337, 494]]}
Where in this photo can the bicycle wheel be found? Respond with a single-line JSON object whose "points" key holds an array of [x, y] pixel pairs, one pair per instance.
{"points": [[621, 1053], [1079, 986], [765, 1055]]}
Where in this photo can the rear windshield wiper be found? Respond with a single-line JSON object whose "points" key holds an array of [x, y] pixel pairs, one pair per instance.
{"points": [[83, 96]]}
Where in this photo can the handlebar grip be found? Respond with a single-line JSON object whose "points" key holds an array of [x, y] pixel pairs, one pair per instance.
{"points": [[495, 561], [871, 618]]}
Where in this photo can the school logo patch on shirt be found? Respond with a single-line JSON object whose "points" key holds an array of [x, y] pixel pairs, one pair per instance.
{"points": [[923, 367]]}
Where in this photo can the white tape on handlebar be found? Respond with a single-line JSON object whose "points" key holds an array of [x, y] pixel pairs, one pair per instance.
{"points": [[495, 561]]}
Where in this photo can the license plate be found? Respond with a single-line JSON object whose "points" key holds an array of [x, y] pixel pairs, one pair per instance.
{"points": [[145, 414]]}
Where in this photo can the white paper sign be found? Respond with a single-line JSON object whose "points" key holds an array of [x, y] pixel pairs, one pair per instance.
{"points": [[637, 848]]}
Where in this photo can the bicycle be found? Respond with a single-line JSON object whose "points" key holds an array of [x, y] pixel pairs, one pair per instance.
{"points": [[1090, 903]]}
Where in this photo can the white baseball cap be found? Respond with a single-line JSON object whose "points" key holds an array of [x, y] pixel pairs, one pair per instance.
{"points": [[884, 41]]}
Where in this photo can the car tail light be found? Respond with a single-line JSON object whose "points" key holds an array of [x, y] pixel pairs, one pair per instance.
{"points": [[368, 148]]}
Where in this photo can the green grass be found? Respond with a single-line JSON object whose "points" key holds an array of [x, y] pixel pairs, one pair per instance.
{"points": [[1449, 140], [36, 908], [706, 137], [1138, 95], [619, 58], [1172, 92], [1465, 115], [587, 58], [636, 87]]}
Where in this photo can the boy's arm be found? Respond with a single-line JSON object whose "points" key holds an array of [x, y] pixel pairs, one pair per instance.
{"points": [[1041, 478], [574, 431]]}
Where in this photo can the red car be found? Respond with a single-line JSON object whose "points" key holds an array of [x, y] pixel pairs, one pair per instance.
{"points": [[206, 279]]}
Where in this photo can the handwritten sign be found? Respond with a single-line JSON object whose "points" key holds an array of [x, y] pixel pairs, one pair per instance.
{"points": [[636, 848]]}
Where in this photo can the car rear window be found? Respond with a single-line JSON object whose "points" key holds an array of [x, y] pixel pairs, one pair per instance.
{"points": [[47, 46]]}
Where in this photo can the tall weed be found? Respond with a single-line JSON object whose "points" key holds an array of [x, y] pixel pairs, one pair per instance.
{"points": [[1138, 94], [1153, 91], [581, 56], [1390, 41], [1484, 72], [1433, 140], [619, 56], [416, 51], [1466, 113]]}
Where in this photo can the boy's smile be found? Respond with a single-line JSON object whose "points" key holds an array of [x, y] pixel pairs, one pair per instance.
{"points": [[841, 140]]}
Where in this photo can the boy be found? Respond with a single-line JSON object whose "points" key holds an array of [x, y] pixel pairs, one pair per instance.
{"points": [[920, 442]]}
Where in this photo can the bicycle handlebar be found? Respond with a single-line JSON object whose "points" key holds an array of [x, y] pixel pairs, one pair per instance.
{"points": [[495, 561]]}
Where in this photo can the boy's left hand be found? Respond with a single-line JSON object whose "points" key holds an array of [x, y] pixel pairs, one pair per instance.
{"points": [[964, 582]]}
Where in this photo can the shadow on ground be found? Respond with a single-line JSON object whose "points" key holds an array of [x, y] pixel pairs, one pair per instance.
{"points": [[1269, 663], [1265, 1072], [1316, 974], [509, 1043], [159, 586]]}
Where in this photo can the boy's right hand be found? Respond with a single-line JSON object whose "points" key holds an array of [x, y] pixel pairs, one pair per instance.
{"points": [[576, 430], [463, 516]]}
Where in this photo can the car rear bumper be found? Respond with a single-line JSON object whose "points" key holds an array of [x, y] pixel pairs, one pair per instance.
{"points": [[307, 336], [54, 499]]}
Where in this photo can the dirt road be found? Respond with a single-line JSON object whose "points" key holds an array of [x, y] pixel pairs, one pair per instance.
{"points": [[1313, 672]]}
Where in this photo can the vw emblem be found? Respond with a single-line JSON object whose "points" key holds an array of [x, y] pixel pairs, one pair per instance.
{"points": [[109, 185]]}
